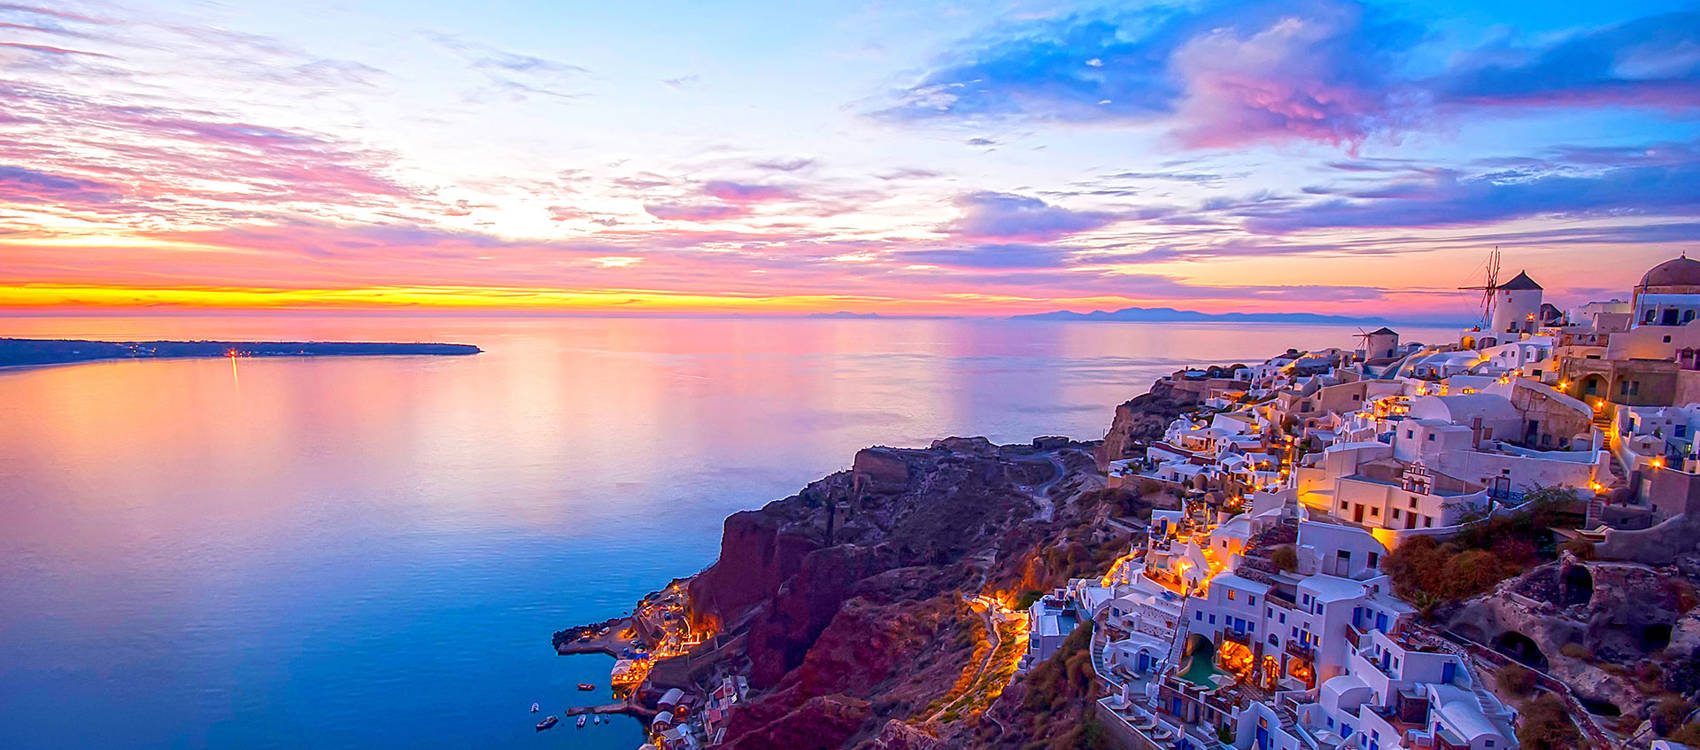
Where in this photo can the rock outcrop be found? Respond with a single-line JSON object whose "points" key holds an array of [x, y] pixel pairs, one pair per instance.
{"points": [[848, 594], [1144, 418], [1606, 629]]}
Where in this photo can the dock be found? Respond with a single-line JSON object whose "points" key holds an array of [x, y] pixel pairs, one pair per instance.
{"points": [[621, 707]]}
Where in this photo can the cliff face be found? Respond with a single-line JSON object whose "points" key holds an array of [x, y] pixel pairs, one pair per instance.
{"points": [[848, 592], [1145, 417], [1616, 633], [847, 603]]}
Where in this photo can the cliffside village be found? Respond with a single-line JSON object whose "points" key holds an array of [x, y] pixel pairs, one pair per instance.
{"points": [[1207, 630], [1256, 609]]}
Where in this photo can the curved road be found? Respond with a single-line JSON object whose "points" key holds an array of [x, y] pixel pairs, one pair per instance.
{"points": [[1042, 493]]}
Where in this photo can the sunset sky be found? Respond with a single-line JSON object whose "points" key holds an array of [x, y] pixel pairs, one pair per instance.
{"points": [[791, 157]]}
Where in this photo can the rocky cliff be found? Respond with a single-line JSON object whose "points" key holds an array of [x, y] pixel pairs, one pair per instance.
{"points": [[1620, 635], [847, 605], [1144, 418]]}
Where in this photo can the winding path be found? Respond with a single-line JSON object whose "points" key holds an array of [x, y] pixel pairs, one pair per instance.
{"points": [[1042, 493], [983, 607]]}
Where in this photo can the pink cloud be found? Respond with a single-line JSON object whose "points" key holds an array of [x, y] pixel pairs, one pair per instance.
{"points": [[1289, 80]]}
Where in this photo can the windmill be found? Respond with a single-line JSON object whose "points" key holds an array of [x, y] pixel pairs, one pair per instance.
{"points": [[1488, 288], [1363, 341]]}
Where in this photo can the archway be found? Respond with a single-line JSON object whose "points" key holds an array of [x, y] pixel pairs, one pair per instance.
{"points": [[1655, 637], [1198, 660], [1521, 648], [1594, 385]]}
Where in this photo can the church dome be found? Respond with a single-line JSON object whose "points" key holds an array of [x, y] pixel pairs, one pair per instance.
{"points": [[1678, 272]]}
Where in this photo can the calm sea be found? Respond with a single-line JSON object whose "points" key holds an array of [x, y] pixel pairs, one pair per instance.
{"points": [[373, 552]]}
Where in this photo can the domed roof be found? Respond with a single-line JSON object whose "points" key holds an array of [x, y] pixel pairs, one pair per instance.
{"points": [[1678, 272]]}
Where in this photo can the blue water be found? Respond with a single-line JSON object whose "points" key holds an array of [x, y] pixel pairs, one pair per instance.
{"points": [[373, 552]]}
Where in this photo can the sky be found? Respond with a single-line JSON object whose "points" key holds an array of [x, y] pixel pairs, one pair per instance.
{"points": [[900, 158]]}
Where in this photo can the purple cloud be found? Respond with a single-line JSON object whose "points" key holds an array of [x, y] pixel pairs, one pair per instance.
{"points": [[736, 192], [1006, 217], [1001, 256], [696, 211], [21, 185], [1663, 180]]}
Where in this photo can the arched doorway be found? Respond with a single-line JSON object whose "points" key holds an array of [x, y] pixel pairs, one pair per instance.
{"points": [[1521, 648], [1593, 385]]}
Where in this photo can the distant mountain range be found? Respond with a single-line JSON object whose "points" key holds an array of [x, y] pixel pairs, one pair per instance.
{"points": [[1171, 315]]}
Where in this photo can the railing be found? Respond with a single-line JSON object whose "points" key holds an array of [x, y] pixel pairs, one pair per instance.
{"points": [[1354, 635]]}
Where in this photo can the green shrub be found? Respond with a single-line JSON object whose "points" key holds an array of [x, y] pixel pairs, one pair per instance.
{"points": [[1027, 599], [1688, 735], [1285, 558], [1546, 726], [1576, 651], [1668, 714]]}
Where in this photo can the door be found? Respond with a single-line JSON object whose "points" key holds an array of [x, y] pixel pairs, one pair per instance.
{"points": [[1358, 513], [1262, 738]]}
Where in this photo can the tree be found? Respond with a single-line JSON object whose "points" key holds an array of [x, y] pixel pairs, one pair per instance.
{"points": [[1471, 572], [1285, 558]]}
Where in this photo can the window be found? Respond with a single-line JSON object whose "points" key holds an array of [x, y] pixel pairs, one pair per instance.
{"points": [[1410, 434], [1667, 338], [1395, 514], [1374, 512], [1413, 503], [1428, 522], [1431, 437], [1199, 616], [1231, 594], [1251, 601], [1375, 559], [1283, 618], [1250, 627], [1212, 619]]}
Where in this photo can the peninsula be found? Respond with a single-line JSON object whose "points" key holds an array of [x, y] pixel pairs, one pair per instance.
{"points": [[30, 352]]}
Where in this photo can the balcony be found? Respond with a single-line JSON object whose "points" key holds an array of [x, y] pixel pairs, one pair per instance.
{"points": [[1233, 636], [1294, 648], [1354, 635]]}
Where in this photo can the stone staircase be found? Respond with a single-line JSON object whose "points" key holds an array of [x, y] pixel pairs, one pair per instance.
{"points": [[1596, 512]]}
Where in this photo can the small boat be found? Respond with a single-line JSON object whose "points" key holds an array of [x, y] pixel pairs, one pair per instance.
{"points": [[535, 708], [585, 686], [581, 722], [548, 723]]}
